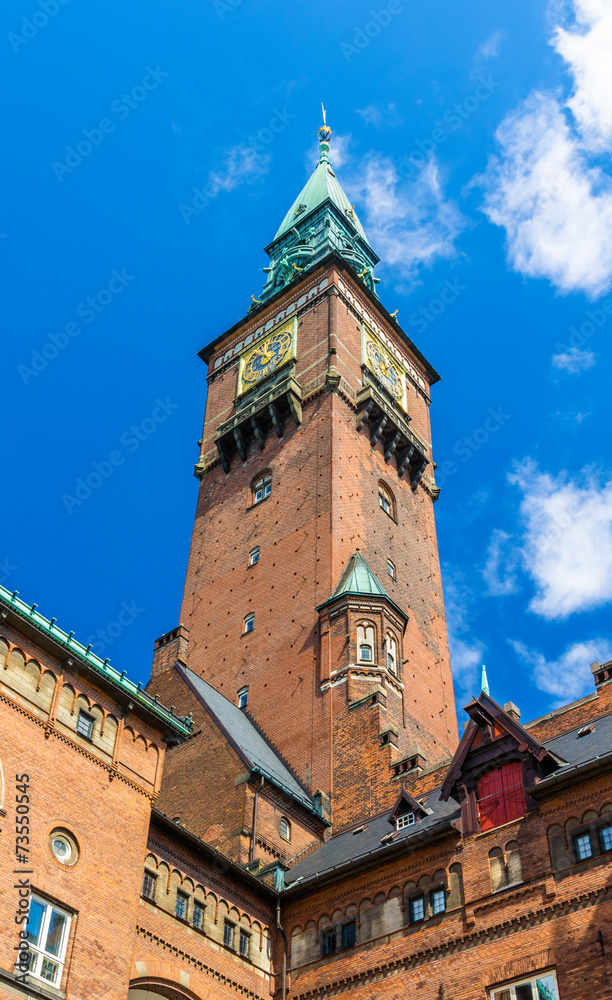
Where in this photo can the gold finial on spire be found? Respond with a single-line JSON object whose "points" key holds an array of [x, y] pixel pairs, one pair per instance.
{"points": [[324, 132]]}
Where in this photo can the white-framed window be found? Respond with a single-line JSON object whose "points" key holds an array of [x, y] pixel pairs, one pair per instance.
{"points": [[365, 642], [285, 828], [254, 556], [262, 488], [540, 987], [47, 928], [391, 568], [408, 819], [243, 697], [248, 624], [386, 500], [85, 724], [245, 941]]}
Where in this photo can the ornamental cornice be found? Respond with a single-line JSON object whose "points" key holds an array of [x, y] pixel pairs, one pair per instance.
{"points": [[188, 959], [460, 943]]}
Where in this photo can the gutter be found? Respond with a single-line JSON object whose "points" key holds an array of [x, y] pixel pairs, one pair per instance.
{"points": [[102, 668], [255, 803], [374, 856], [284, 936], [571, 774]]}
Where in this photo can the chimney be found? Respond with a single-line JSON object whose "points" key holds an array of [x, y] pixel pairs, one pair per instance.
{"points": [[168, 649]]}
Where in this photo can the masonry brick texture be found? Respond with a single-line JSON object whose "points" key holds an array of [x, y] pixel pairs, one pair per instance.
{"points": [[323, 506]]}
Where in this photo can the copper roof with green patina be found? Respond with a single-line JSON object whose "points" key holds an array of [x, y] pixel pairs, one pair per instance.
{"points": [[102, 668], [322, 186]]}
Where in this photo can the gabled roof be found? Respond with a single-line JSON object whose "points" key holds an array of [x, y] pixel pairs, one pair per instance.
{"points": [[358, 580], [483, 712], [322, 186], [406, 803], [252, 747]]}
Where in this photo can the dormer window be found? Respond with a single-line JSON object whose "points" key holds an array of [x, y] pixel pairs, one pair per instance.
{"points": [[408, 819]]}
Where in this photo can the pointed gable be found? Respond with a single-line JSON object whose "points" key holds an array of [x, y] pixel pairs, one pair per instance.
{"points": [[404, 806], [493, 766], [358, 580]]}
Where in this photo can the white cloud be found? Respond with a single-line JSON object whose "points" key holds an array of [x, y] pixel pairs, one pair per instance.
{"points": [[409, 223], [489, 49], [241, 165], [573, 361], [587, 51], [567, 545], [569, 677], [553, 201], [388, 117], [501, 562], [555, 208]]}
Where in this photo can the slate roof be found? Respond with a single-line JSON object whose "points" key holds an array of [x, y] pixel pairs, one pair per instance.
{"points": [[254, 749], [577, 749], [351, 847]]}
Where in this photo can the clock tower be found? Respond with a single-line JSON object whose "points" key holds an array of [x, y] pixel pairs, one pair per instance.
{"points": [[313, 596]]}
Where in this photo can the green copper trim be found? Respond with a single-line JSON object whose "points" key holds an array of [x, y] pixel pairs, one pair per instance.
{"points": [[182, 724], [358, 580], [322, 186], [484, 683]]}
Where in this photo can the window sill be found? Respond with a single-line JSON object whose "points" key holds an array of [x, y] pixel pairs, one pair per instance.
{"points": [[504, 826], [507, 888], [258, 503]]}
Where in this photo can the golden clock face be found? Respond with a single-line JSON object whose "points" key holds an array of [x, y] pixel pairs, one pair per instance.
{"points": [[265, 358], [388, 372]]}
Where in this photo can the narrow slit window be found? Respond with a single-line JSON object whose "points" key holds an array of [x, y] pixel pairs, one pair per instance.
{"points": [[228, 934], [285, 828], [386, 500], [391, 569], [254, 556], [243, 697], [198, 915], [244, 943], [249, 624], [180, 908], [148, 885]]}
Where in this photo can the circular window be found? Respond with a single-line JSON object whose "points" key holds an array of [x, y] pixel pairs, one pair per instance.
{"points": [[64, 847]]}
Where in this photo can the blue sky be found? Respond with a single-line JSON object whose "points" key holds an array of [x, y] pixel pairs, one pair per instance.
{"points": [[474, 139]]}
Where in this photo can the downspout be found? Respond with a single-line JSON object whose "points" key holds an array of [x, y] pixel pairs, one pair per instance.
{"points": [[255, 801], [280, 928]]}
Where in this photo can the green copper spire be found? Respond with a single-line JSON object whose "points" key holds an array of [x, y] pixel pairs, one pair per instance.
{"points": [[320, 222], [484, 683], [359, 579]]}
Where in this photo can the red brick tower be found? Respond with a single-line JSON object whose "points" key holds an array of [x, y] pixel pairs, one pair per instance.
{"points": [[313, 589]]}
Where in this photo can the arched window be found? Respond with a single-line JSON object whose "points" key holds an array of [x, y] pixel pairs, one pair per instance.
{"points": [[365, 642], [391, 654], [262, 488], [248, 624], [285, 828], [243, 697], [505, 866], [386, 500], [501, 795], [254, 556], [391, 568]]}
